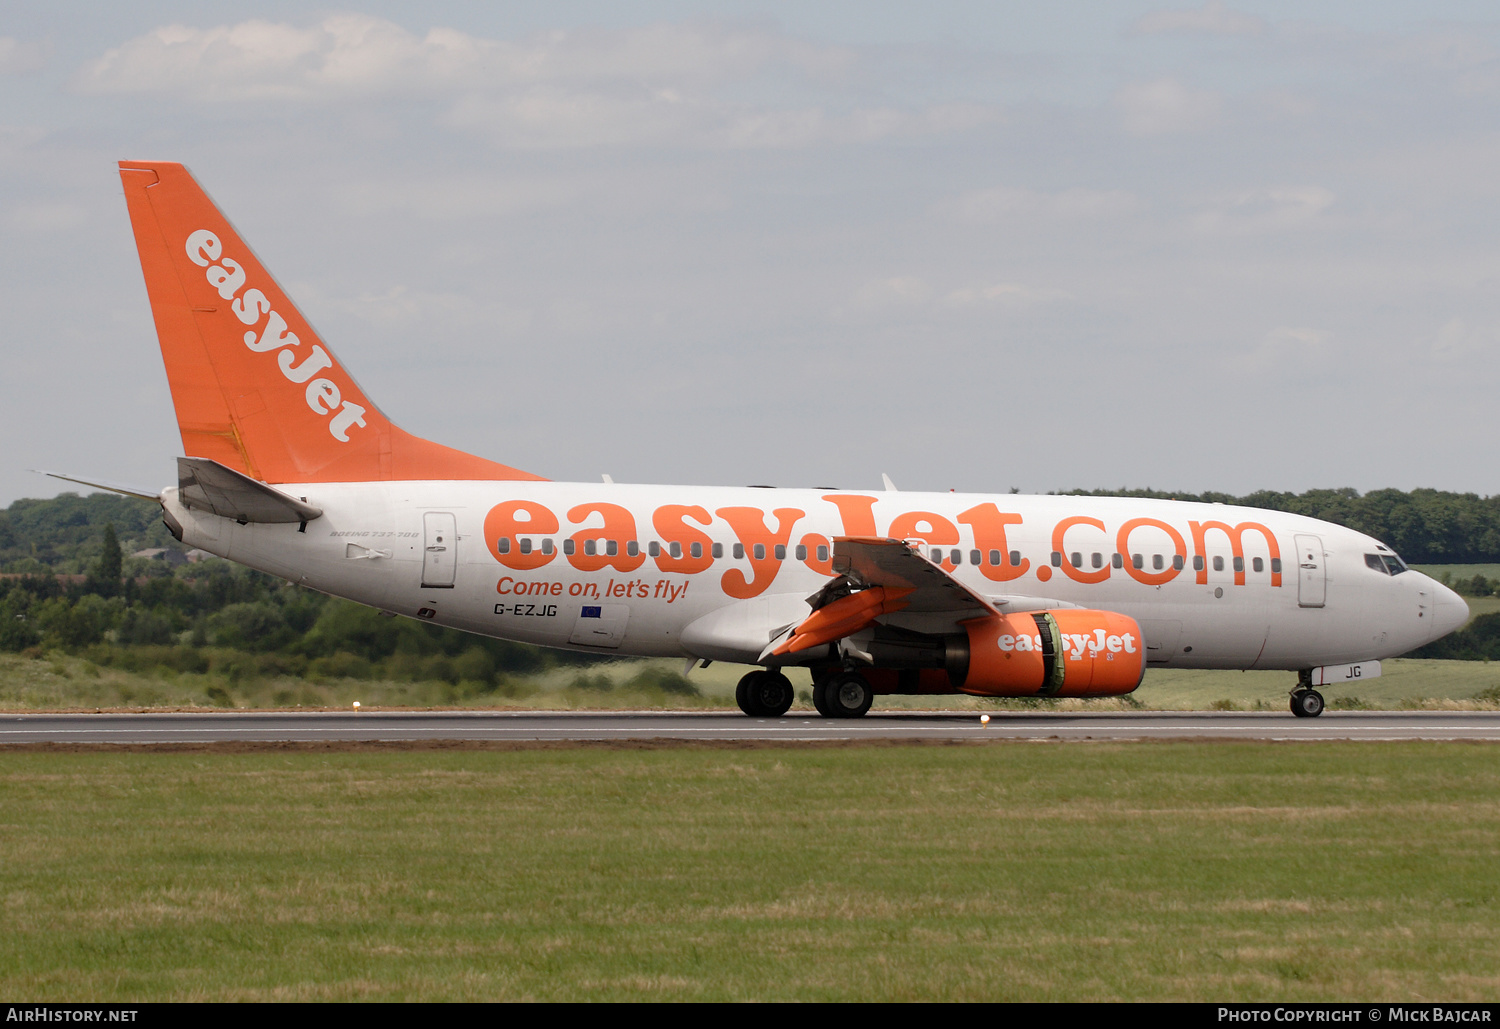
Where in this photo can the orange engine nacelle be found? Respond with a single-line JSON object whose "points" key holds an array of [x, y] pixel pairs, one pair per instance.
{"points": [[1067, 653]]}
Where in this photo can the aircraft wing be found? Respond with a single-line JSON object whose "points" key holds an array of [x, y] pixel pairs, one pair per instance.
{"points": [[880, 580], [892, 564]]}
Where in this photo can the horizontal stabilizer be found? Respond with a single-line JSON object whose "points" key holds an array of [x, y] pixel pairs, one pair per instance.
{"points": [[113, 487], [206, 484]]}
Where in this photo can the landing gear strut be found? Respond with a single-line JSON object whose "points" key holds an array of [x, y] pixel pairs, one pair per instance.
{"points": [[764, 694], [1307, 703]]}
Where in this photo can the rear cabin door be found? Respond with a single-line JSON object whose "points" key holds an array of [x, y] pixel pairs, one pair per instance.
{"points": [[440, 558], [1312, 577]]}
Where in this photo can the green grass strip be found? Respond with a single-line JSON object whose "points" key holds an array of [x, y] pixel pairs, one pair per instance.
{"points": [[999, 872]]}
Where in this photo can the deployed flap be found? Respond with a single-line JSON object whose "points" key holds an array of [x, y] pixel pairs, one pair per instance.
{"points": [[865, 562], [877, 579], [204, 483]]}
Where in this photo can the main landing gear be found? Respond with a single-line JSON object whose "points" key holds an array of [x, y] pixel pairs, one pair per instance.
{"points": [[764, 694], [841, 694], [1307, 703]]}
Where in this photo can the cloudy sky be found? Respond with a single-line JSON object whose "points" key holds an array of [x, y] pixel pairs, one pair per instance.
{"points": [[983, 246]]}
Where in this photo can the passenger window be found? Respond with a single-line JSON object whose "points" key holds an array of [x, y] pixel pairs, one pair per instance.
{"points": [[653, 548], [1239, 564], [591, 547], [1177, 562], [1258, 565], [504, 545], [956, 556], [569, 547], [1015, 558], [1137, 561], [547, 547], [822, 554], [1076, 559], [1156, 561], [1218, 563], [1118, 560], [633, 549], [739, 551], [526, 545], [935, 556], [718, 550], [1276, 565], [1097, 560], [780, 551], [1056, 559], [612, 547], [675, 549], [801, 552], [994, 558], [975, 558], [696, 549], [1197, 562], [760, 552]]}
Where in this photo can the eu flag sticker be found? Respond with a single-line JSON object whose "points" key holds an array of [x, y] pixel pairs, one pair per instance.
{"points": [[590, 612]]}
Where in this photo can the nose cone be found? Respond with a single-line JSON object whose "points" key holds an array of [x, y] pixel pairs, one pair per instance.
{"points": [[1449, 611]]}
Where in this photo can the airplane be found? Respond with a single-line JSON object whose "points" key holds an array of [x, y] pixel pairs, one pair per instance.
{"points": [[291, 469]]}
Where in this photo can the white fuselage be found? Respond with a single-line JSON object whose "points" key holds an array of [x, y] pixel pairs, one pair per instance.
{"points": [[1303, 595]]}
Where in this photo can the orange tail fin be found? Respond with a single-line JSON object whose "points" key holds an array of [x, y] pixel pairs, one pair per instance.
{"points": [[254, 387]]}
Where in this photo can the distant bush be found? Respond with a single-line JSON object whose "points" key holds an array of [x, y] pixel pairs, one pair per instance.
{"points": [[663, 679]]}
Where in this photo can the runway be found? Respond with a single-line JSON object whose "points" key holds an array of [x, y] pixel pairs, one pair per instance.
{"points": [[279, 727]]}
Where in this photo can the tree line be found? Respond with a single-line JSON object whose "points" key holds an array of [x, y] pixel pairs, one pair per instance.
{"points": [[71, 584], [1424, 526]]}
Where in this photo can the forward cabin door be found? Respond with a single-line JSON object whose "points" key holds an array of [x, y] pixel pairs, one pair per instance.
{"points": [[1312, 577], [440, 558]]}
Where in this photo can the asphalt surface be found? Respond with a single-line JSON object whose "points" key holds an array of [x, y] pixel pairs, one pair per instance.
{"points": [[244, 727]]}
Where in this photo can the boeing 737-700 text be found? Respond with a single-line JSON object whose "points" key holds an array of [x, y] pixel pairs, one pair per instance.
{"points": [[291, 469]]}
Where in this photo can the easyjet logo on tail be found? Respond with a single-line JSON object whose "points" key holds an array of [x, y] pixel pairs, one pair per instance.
{"points": [[227, 277]]}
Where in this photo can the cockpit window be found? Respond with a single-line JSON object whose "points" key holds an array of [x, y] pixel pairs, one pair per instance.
{"points": [[1386, 564], [1394, 563], [1374, 561]]}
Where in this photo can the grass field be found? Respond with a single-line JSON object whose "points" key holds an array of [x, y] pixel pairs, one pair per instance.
{"points": [[61, 683], [992, 872], [1457, 573]]}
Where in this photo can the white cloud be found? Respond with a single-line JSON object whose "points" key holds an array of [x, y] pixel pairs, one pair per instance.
{"points": [[650, 84], [1282, 348], [358, 54], [1213, 18], [18, 58], [1165, 106], [1002, 202], [1458, 339], [258, 60], [1262, 210], [1011, 294]]}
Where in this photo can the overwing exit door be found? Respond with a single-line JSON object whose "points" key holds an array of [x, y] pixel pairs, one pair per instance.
{"points": [[1312, 576], [440, 556]]}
